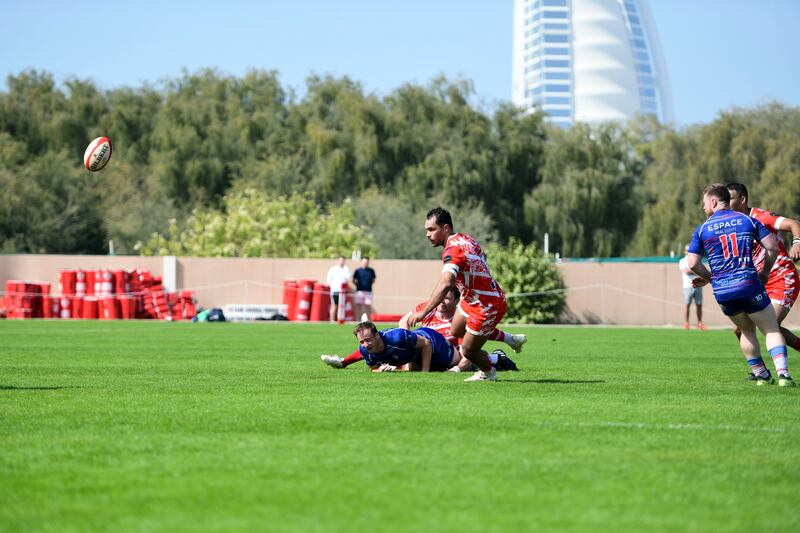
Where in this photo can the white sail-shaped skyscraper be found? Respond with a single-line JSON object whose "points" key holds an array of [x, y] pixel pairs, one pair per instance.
{"points": [[589, 60]]}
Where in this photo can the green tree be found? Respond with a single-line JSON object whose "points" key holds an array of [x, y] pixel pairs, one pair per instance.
{"points": [[586, 200], [396, 224], [49, 206], [758, 147], [532, 282], [251, 224]]}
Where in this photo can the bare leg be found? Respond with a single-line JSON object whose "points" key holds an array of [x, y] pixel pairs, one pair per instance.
{"points": [[472, 344], [746, 331]]}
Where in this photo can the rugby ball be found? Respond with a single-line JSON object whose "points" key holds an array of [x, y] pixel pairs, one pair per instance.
{"points": [[97, 154]]}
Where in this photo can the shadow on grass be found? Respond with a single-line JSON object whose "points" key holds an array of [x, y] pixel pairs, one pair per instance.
{"points": [[554, 381], [14, 387]]}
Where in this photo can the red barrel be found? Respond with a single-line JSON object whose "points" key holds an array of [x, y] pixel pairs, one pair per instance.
{"points": [[320, 303], [26, 300], [50, 307], [91, 288], [66, 282], [127, 307], [65, 307], [98, 282], [290, 298], [108, 309], [47, 307], [10, 298], [77, 306], [38, 290], [305, 287], [89, 311], [80, 283], [106, 282], [121, 282]]}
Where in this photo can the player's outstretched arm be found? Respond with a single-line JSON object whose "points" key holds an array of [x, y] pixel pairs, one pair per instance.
{"points": [[790, 224], [445, 282]]}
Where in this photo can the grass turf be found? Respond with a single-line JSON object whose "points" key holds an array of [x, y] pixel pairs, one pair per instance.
{"points": [[166, 426]]}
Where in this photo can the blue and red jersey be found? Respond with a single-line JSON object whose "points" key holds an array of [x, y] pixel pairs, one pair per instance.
{"points": [[400, 348], [727, 239]]}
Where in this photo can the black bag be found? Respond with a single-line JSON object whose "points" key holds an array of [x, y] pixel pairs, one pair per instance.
{"points": [[216, 315]]}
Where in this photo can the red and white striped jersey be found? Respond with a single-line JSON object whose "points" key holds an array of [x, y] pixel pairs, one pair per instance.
{"points": [[437, 322], [464, 258], [783, 264]]}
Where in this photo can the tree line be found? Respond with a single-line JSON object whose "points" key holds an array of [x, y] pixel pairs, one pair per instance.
{"points": [[190, 152]]}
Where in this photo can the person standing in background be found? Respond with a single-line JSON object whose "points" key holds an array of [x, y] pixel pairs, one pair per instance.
{"points": [[363, 278], [690, 293], [338, 275]]}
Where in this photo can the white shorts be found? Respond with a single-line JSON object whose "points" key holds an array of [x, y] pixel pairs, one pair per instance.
{"points": [[690, 293], [363, 298]]}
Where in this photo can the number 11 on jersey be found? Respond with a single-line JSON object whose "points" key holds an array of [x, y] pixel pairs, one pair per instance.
{"points": [[729, 246]]}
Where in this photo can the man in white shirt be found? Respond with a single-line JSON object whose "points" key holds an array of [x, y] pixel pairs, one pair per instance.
{"points": [[337, 275], [690, 293]]}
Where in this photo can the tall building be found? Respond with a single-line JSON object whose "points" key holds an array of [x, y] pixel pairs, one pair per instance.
{"points": [[589, 60]]}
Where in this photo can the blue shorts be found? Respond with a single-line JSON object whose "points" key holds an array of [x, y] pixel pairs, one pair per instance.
{"points": [[752, 303], [442, 349]]}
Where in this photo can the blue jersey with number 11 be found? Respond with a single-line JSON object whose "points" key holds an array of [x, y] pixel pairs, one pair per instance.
{"points": [[726, 239]]}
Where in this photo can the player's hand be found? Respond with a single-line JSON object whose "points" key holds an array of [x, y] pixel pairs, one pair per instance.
{"points": [[413, 319], [794, 252], [386, 367], [403, 322], [699, 282]]}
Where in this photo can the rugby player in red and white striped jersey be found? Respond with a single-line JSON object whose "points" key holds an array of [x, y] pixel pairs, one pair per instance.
{"points": [[483, 302], [783, 284]]}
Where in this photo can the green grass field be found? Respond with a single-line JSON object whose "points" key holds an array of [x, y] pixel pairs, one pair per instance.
{"points": [[172, 426]]}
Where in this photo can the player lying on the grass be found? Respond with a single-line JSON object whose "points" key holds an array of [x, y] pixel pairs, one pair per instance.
{"points": [[726, 239], [399, 349], [439, 320], [783, 284], [424, 349]]}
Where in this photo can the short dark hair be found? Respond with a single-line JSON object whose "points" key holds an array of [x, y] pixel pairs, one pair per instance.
{"points": [[718, 191], [740, 189], [453, 289], [361, 326], [441, 215]]}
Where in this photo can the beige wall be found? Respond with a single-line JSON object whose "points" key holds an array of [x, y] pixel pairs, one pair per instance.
{"points": [[609, 293]]}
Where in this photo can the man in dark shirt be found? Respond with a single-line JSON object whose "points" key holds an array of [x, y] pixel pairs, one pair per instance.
{"points": [[363, 278]]}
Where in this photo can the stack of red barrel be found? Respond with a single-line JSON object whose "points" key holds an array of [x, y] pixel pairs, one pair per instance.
{"points": [[308, 300], [27, 299], [98, 294]]}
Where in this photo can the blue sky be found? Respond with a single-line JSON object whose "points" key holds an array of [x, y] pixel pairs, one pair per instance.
{"points": [[720, 53]]}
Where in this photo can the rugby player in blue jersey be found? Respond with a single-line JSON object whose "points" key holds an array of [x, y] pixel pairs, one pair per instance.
{"points": [[422, 349], [727, 239]]}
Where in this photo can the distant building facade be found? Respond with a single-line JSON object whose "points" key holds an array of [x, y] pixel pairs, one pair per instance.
{"points": [[589, 61]]}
